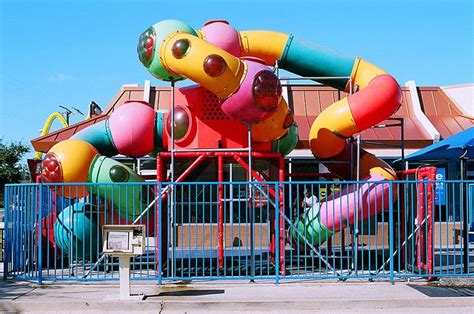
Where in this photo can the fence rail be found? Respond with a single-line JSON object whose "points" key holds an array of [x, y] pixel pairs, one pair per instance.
{"points": [[244, 230]]}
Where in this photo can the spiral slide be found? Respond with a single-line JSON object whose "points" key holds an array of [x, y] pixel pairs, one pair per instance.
{"points": [[234, 67], [376, 97]]}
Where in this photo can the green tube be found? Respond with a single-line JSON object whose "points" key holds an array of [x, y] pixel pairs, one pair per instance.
{"points": [[98, 135], [287, 143], [126, 197], [306, 59], [78, 225], [310, 227]]}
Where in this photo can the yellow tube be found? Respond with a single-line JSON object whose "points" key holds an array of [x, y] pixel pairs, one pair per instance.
{"points": [[331, 128], [369, 164], [271, 128], [47, 127], [265, 45], [362, 73], [191, 65]]}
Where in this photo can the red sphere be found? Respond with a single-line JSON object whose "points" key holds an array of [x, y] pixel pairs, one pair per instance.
{"points": [[180, 48], [214, 65], [266, 90], [51, 171]]}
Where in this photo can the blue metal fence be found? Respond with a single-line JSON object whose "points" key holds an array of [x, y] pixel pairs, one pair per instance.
{"points": [[243, 230]]}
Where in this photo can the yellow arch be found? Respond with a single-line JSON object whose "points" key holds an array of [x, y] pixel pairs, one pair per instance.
{"points": [[47, 127]]}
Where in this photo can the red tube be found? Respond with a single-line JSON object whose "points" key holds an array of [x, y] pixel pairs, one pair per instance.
{"points": [[220, 243], [379, 99]]}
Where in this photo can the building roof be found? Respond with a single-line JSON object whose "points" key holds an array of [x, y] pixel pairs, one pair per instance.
{"points": [[443, 113], [308, 101]]}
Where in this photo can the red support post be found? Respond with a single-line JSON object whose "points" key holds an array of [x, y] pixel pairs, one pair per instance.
{"points": [[158, 241], [220, 243], [159, 168], [281, 178], [426, 211]]}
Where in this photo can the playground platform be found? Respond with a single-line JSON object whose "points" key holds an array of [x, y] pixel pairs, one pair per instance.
{"points": [[241, 296]]}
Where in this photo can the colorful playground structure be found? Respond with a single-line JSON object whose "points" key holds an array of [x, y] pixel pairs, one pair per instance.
{"points": [[236, 107]]}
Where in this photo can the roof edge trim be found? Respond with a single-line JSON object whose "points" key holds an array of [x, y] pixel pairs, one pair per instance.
{"points": [[419, 114]]}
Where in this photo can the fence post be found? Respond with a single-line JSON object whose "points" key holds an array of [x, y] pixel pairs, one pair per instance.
{"points": [[40, 232], [6, 246], [277, 235], [159, 241], [390, 217]]}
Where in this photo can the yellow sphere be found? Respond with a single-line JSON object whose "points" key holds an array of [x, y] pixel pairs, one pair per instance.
{"points": [[275, 126], [73, 159]]}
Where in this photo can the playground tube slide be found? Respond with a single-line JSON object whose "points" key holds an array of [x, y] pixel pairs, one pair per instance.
{"points": [[376, 96], [234, 66]]}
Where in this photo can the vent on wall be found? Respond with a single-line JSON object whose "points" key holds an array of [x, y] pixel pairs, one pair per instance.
{"points": [[211, 108]]}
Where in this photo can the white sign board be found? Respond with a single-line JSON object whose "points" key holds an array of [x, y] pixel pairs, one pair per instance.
{"points": [[118, 241], [122, 240]]}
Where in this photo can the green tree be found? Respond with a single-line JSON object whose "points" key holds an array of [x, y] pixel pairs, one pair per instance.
{"points": [[11, 170]]}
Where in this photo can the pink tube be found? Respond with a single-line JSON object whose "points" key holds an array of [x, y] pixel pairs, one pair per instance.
{"points": [[222, 35], [132, 126], [369, 200], [242, 105]]}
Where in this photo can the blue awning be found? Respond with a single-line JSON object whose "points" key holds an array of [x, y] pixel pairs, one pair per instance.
{"points": [[453, 147]]}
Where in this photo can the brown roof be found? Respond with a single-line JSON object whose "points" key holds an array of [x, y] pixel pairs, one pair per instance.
{"points": [[446, 117], [307, 102], [158, 95]]}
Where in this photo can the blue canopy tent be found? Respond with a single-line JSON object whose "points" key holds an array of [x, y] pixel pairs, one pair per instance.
{"points": [[458, 146]]}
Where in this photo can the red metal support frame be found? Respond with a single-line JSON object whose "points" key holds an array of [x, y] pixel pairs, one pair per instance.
{"points": [[427, 173], [281, 178], [424, 214], [238, 156]]}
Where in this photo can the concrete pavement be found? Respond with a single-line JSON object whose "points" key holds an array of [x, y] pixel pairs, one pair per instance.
{"points": [[217, 296]]}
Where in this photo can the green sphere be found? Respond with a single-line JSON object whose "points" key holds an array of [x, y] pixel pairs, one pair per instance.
{"points": [[148, 48]]}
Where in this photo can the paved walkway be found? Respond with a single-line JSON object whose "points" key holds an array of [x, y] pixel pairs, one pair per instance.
{"points": [[216, 296]]}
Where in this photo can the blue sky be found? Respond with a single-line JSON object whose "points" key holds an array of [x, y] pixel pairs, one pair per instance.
{"points": [[71, 52]]}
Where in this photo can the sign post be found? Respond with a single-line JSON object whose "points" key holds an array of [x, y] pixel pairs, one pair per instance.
{"points": [[124, 241]]}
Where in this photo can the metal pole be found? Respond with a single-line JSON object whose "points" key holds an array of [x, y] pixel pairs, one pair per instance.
{"points": [[220, 227], [172, 131], [40, 232], [277, 236], [391, 235], [172, 199], [159, 241], [465, 224], [356, 212], [402, 131], [231, 196], [250, 204], [6, 231], [281, 220]]}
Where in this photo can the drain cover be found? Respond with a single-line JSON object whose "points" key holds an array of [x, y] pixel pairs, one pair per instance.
{"points": [[444, 292]]}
